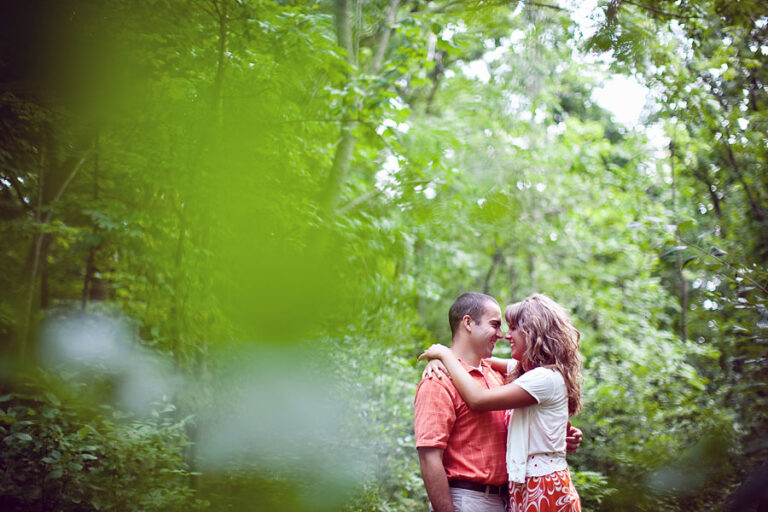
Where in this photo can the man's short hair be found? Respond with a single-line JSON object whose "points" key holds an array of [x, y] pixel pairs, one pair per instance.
{"points": [[470, 303]]}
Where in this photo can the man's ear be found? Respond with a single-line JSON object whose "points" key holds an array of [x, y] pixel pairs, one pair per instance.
{"points": [[467, 322]]}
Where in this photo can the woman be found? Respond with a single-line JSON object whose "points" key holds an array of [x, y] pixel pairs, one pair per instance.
{"points": [[543, 389]]}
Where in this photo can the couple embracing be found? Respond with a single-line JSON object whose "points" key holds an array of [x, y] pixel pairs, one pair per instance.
{"points": [[493, 436]]}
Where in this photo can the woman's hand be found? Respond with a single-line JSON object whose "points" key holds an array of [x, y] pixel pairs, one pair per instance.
{"points": [[573, 438], [435, 369], [436, 351]]}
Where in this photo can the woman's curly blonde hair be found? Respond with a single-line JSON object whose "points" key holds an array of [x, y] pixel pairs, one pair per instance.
{"points": [[551, 341]]}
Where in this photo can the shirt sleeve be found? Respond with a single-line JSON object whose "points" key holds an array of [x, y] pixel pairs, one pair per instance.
{"points": [[511, 364], [434, 415], [538, 383]]}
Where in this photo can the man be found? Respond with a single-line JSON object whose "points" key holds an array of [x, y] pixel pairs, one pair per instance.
{"points": [[462, 452]]}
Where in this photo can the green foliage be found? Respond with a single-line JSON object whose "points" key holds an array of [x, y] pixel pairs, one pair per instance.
{"points": [[59, 457], [592, 487], [380, 386], [224, 174]]}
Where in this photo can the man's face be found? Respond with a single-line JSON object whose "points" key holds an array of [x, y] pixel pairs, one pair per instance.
{"points": [[486, 330]]}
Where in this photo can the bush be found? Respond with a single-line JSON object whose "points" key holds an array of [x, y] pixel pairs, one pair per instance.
{"points": [[57, 456]]}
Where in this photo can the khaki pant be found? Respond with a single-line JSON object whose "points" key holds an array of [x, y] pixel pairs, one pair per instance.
{"points": [[465, 500]]}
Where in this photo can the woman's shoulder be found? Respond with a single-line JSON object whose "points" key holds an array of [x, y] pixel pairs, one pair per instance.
{"points": [[542, 372], [552, 373], [539, 374], [549, 377]]}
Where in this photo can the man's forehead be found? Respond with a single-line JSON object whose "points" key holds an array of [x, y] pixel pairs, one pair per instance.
{"points": [[492, 311]]}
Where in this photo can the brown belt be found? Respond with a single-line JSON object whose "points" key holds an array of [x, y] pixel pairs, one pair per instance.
{"points": [[474, 486]]}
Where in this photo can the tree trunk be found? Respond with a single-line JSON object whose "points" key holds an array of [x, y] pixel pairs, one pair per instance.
{"points": [[343, 27], [89, 271], [218, 83], [177, 315], [53, 179], [757, 210], [755, 207], [496, 260], [342, 159], [90, 261], [704, 178], [345, 148], [678, 256], [383, 39]]}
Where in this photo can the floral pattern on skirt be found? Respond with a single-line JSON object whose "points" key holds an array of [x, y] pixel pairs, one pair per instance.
{"points": [[549, 493]]}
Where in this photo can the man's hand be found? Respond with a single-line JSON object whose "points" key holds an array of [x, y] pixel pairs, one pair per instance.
{"points": [[573, 437]]}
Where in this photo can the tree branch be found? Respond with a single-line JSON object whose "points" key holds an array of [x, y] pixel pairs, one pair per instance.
{"points": [[723, 262], [546, 6], [383, 39], [374, 192], [75, 166], [448, 5], [753, 202], [660, 12], [205, 8], [343, 32]]}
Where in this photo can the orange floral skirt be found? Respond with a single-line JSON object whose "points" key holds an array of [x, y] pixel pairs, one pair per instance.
{"points": [[549, 493]]}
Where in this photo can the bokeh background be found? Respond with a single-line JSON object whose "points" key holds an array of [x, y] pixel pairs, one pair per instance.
{"points": [[230, 226]]}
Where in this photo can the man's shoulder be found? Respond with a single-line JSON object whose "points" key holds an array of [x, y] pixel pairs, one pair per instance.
{"points": [[436, 397], [443, 386]]}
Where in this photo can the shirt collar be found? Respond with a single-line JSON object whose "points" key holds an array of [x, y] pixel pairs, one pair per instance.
{"points": [[481, 369]]}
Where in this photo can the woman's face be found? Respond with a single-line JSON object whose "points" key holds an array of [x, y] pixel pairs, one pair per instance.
{"points": [[516, 342]]}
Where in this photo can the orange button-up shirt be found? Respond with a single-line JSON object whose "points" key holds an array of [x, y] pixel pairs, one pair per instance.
{"points": [[474, 442]]}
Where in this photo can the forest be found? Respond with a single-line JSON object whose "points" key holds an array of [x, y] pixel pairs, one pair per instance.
{"points": [[229, 227]]}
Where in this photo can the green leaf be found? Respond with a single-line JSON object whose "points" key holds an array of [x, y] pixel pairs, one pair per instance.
{"points": [[686, 225], [674, 250], [689, 260]]}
